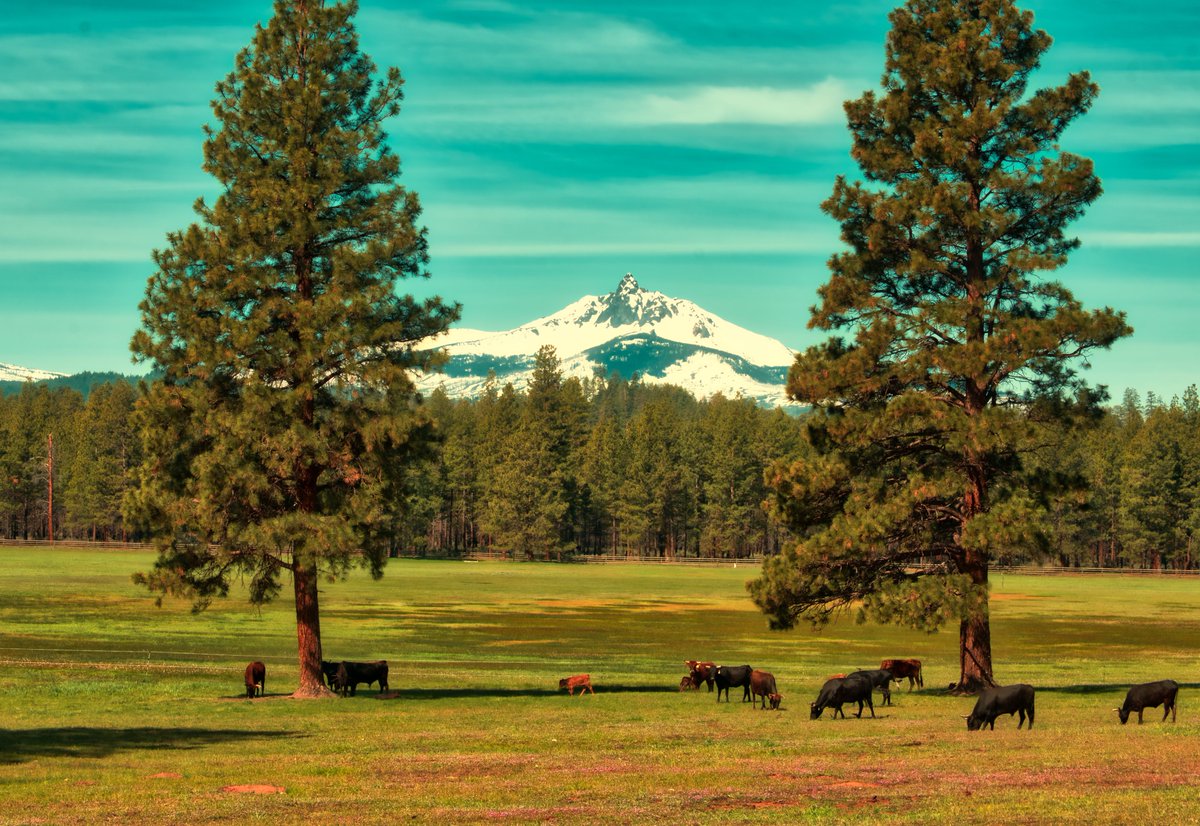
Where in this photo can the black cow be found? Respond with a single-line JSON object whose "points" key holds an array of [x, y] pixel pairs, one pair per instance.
{"points": [[855, 688], [329, 669], [880, 678], [732, 676], [349, 675], [256, 679], [1150, 695], [1008, 699]]}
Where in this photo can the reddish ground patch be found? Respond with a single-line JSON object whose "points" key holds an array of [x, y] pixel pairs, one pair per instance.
{"points": [[170, 775], [254, 788]]}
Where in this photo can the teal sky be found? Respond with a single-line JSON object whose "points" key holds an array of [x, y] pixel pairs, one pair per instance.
{"points": [[557, 146]]}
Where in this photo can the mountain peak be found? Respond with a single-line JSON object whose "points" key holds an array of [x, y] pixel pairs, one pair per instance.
{"points": [[629, 330], [628, 285]]}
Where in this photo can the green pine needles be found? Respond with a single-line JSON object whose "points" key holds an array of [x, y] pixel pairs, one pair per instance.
{"points": [[277, 439], [957, 365]]}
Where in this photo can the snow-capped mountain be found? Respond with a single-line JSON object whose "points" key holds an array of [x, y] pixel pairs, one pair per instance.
{"points": [[11, 372], [664, 340]]}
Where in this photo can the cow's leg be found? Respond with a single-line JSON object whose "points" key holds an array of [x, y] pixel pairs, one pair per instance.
{"points": [[1140, 716], [1166, 711], [1031, 715], [1021, 720], [871, 706]]}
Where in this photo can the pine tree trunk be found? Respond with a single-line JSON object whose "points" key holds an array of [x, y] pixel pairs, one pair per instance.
{"points": [[308, 632], [975, 653], [975, 632]]}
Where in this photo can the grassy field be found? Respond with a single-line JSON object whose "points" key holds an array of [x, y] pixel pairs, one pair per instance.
{"points": [[116, 710]]}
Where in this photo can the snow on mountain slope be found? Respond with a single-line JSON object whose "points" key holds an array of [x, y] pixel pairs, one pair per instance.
{"points": [[630, 330], [11, 372], [593, 320]]}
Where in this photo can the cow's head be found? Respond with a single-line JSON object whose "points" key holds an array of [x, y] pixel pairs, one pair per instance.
{"points": [[814, 711], [562, 683], [1123, 714], [775, 699], [973, 723]]}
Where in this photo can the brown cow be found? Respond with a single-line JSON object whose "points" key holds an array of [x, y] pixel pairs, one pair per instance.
{"points": [[762, 684], [702, 672], [256, 679], [688, 683], [904, 668], [581, 681]]}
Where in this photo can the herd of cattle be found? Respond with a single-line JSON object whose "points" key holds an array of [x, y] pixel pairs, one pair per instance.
{"points": [[859, 686], [343, 677], [839, 690]]}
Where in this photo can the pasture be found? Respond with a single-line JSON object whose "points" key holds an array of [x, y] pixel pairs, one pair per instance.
{"points": [[113, 709]]}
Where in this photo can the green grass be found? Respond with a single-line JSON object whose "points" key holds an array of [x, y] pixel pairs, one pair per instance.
{"points": [[116, 710]]}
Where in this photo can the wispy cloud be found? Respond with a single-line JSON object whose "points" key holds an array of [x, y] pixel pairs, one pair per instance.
{"points": [[819, 103], [1148, 240]]}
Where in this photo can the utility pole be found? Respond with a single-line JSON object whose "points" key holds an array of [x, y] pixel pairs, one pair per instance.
{"points": [[50, 485]]}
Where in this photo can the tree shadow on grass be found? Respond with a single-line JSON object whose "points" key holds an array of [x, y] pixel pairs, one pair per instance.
{"points": [[1097, 688], [468, 693], [19, 745]]}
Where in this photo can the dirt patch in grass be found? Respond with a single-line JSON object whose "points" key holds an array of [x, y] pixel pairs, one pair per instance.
{"points": [[253, 788]]}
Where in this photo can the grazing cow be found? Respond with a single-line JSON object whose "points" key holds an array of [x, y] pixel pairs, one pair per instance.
{"points": [[762, 684], [1149, 695], [904, 668], [256, 679], [1008, 699], [581, 681], [329, 669], [702, 672], [350, 674], [835, 693], [688, 683], [732, 676], [880, 678]]}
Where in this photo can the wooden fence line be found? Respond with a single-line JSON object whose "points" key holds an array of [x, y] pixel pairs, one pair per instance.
{"points": [[620, 559]]}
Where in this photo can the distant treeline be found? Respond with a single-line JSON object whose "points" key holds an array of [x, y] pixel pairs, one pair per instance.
{"points": [[615, 466], [82, 382]]}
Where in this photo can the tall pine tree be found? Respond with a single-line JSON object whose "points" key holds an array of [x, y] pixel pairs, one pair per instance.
{"points": [[959, 341], [278, 436]]}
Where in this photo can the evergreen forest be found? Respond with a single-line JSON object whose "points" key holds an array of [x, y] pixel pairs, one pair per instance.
{"points": [[616, 466]]}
